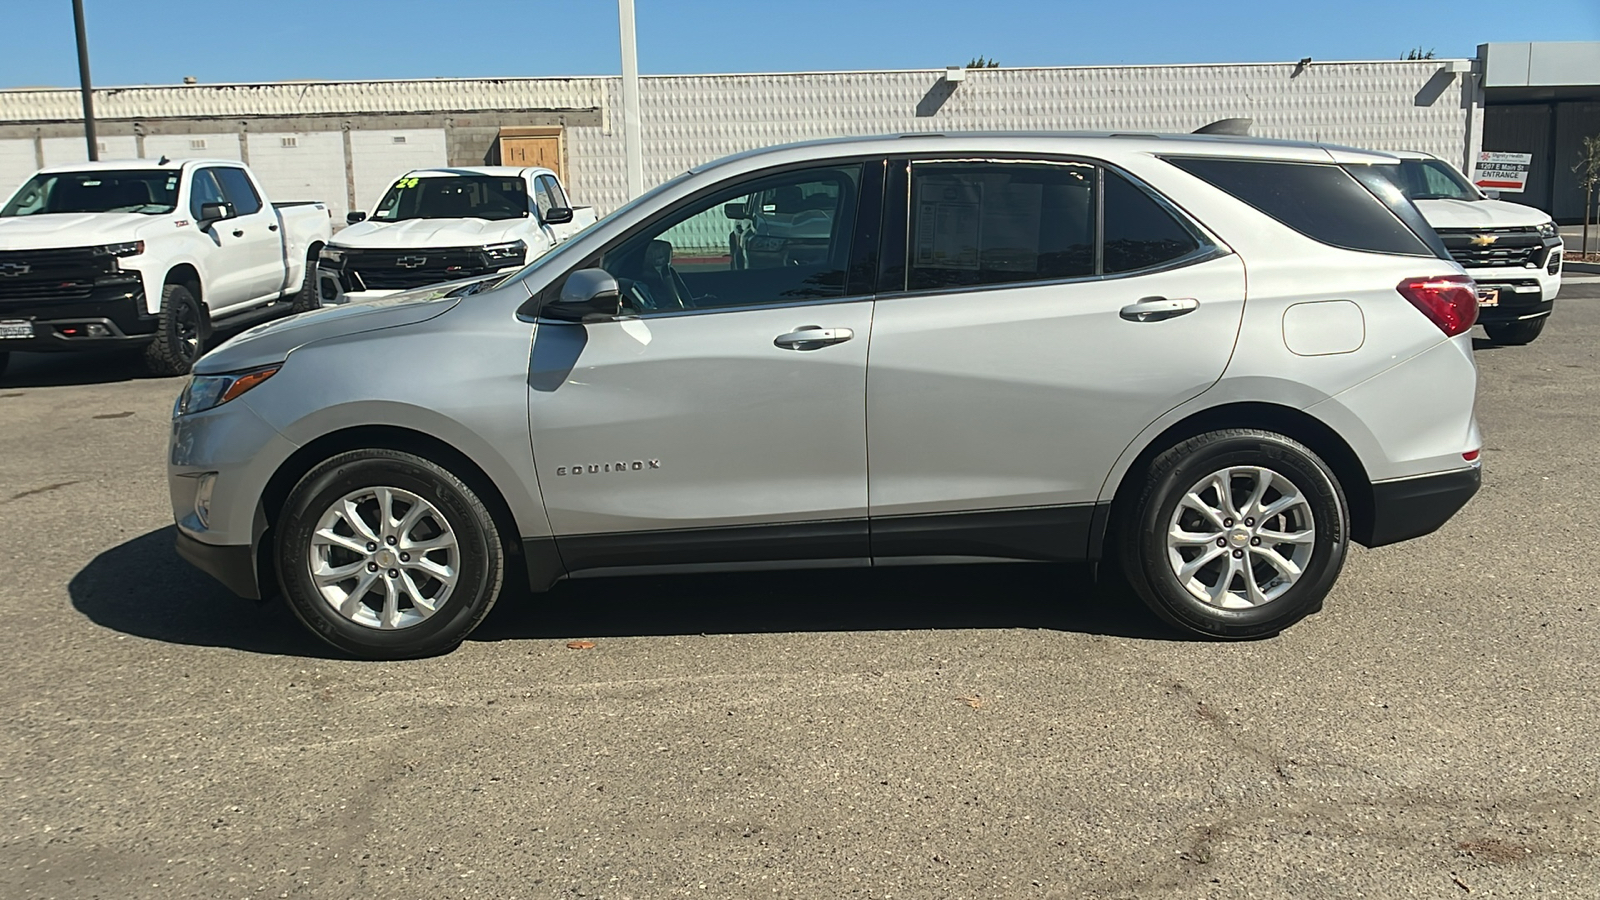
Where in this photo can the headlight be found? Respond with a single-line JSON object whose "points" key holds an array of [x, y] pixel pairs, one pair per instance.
{"points": [[1548, 230], [509, 252], [206, 391], [331, 255], [126, 248]]}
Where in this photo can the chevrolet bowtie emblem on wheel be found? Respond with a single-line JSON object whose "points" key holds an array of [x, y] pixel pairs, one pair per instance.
{"points": [[411, 262], [1484, 240], [14, 269]]}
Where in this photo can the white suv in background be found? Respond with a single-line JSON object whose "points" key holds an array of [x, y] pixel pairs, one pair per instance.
{"points": [[1512, 251], [1218, 362]]}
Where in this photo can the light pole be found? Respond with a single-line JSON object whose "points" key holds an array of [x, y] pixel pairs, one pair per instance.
{"points": [[83, 77], [632, 140]]}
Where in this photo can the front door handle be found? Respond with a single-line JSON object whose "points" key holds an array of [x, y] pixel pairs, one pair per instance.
{"points": [[1156, 309], [238, 232], [812, 337]]}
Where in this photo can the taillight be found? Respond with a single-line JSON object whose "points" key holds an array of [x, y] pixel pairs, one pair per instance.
{"points": [[1449, 301]]}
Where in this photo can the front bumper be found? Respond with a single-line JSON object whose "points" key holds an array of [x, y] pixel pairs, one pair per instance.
{"points": [[234, 566], [112, 315], [1412, 507], [1525, 292]]}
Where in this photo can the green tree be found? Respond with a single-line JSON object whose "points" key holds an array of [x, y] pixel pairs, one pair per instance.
{"points": [[1588, 170], [1416, 53], [979, 62]]}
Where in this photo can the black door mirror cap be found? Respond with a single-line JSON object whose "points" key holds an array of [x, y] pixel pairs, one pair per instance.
{"points": [[354, 216], [558, 215], [211, 213]]}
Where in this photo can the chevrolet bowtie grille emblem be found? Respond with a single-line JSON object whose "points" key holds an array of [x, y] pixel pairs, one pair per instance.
{"points": [[1484, 240], [411, 262], [14, 269]]}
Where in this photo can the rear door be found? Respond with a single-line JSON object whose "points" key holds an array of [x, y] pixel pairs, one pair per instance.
{"points": [[1037, 317], [722, 418], [254, 237]]}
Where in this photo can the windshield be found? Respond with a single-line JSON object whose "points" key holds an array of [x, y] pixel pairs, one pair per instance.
{"points": [[148, 191], [1430, 179], [454, 197]]}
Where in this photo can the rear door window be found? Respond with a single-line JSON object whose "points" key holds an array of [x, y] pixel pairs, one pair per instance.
{"points": [[991, 223], [1321, 201]]}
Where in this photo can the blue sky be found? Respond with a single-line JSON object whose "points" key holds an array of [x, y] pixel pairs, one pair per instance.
{"points": [[248, 40]]}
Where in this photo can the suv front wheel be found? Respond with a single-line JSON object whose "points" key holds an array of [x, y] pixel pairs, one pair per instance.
{"points": [[387, 555], [1236, 534]]}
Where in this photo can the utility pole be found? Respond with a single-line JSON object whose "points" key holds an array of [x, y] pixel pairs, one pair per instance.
{"points": [[83, 77], [632, 140]]}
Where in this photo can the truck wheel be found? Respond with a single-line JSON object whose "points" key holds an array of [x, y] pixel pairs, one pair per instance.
{"points": [[1236, 534], [5, 360], [309, 297], [387, 555], [1516, 333], [179, 333]]}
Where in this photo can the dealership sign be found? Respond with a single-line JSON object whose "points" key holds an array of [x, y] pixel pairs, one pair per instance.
{"points": [[1503, 171]]}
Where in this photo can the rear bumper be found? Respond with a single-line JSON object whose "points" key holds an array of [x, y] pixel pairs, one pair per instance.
{"points": [[234, 566], [113, 315], [1413, 507]]}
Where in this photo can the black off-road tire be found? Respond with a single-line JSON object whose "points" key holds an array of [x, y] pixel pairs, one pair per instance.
{"points": [[1142, 542], [180, 333], [5, 360], [480, 563], [1515, 334], [309, 296]]}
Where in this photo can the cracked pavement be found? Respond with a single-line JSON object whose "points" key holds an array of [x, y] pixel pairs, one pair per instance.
{"points": [[992, 731]]}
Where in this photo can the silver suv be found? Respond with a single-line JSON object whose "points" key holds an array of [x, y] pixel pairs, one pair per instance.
{"points": [[1214, 361]]}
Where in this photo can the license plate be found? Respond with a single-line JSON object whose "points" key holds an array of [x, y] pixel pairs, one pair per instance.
{"points": [[15, 328], [1488, 296]]}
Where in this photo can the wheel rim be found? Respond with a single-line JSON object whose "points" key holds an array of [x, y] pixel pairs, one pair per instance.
{"points": [[384, 558], [186, 328], [1241, 537]]}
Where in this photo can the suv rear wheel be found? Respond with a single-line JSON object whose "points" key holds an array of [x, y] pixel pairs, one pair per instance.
{"points": [[1236, 534], [387, 555]]}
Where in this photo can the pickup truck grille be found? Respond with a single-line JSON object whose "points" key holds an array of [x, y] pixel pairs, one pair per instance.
{"points": [[1510, 246], [403, 269], [50, 274]]}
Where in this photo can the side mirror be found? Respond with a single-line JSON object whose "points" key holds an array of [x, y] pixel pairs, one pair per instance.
{"points": [[587, 293], [736, 210], [211, 213], [1492, 195], [558, 215], [350, 218]]}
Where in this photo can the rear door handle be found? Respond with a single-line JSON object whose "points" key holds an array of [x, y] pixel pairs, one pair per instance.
{"points": [[272, 228], [812, 337], [1155, 309], [238, 232]]}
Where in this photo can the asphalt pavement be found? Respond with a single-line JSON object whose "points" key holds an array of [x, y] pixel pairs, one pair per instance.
{"points": [[983, 732]]}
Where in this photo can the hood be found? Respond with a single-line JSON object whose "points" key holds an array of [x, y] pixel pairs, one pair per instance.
{"points": [[430, 233], [272, 342], [49, 231], [1480, 214]]}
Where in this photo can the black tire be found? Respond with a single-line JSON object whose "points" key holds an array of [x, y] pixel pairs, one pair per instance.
{"points": [[1515, 334], [1143, 544], [309, 296], [5, 360], [479, 559], [180, 333]]}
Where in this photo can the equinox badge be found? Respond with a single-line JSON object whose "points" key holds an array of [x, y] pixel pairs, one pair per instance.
{"points": [[638, 465]]}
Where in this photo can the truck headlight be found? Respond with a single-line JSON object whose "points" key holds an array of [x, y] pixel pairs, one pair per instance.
{"points": [[126, 248], [513, 252], [333, 256], [1548, 230], [205, 392]]}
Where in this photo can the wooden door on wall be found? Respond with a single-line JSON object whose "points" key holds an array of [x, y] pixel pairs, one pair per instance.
{"points": [[533, 147]]}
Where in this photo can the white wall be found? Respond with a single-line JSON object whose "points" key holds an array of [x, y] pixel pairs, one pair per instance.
{"points": [[16, 164], [312, 169], [380, 159], [181, 146], [66, 150]]}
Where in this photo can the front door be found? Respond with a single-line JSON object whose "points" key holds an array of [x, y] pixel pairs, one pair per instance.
{"points": [[1026, 347], [250, 245], [722, 418]]}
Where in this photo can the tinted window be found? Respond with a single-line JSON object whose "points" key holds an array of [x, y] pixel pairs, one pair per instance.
{"points": [[454, 197], [204, 190], [999, 223], [541, 197], [1139, 232], [240, 192], [148, 191], [738, 249], [1322, 202], [553, 188]]}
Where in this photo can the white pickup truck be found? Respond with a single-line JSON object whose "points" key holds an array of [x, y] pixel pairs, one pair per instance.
{"points": [[437, 225], [149, 252], [1512, 251]]}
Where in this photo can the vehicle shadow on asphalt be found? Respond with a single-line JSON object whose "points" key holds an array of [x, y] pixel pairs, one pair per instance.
{"points": [[174, 602]]}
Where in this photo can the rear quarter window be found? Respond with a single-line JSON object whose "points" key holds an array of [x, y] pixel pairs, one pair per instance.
{"points": [[1321, 201]]}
